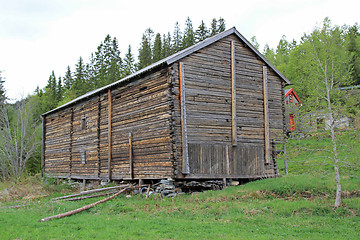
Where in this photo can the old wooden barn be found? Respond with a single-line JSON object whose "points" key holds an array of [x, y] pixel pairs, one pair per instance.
{"points": [[210, 111]]}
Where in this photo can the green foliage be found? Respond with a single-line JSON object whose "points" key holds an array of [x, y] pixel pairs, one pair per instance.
{"points": [[201, 32], [189, 35], [157, 54], [177, 38], [129, 63], [313, 155], [261, 210], [352, 43], [145, 52], [2, 89]]}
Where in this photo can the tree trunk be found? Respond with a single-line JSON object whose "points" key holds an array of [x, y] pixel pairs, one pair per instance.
{"points": [[334, 146], [285, 161]]}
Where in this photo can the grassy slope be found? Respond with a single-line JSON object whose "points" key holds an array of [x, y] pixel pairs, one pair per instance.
{"points": [[293, 207]]}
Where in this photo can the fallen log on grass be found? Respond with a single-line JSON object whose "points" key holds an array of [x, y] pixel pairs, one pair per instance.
{"points": [[91, 191], [62, 215], [85, 197]]}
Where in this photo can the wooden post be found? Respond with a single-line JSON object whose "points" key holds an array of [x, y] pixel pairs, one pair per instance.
{"points": [[109, 134], [266, 116], [71, 140], [185, 165], [233, 96], [43, 145], [131, 171], [98, 136], [227, 165]]}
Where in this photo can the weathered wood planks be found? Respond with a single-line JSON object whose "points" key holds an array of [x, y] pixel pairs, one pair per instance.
{"points": [[206, 115]]}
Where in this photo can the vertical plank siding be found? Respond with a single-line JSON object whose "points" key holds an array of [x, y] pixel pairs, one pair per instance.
{"points": [[209, 101]]}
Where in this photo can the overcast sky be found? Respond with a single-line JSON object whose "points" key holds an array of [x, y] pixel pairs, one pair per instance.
{"points": [[38, 36]]}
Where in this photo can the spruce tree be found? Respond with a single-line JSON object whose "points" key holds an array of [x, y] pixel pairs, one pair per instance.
{"points": [[79, 86], [157, 49], [115, 68], [129, 63], [202, 32], [167, 48], [177, 38], [221, 25], [68, 79], [189, 35], [213, 27], [145, 53], [59, 90], [51, 86]]}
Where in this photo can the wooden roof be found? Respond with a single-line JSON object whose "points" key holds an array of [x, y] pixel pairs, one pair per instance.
{"points": [[173, 58]]}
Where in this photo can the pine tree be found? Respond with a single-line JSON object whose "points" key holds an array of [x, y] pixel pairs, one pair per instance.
{"points": [[79, 86], [68, 79], [145, 53], [221, 25], [106, 66], [157, 49], [115, 68], [59, 90], [167, 48], [51, 86], [176, 39], [129, 63], [213, 27], [202, 32], [189, 35]]}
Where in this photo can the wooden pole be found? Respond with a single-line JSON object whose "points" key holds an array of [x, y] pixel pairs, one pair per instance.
{"points": [[62, 215], [185, 165], [131, 156], [91, 191], [71, 140], [266, 116], [98, 137], [43, 146], [86, 197], [109, 134], [233, 96]]}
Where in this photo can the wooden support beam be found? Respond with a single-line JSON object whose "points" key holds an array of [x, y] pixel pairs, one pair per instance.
{"points": [[233, 96], [109, 133], [185, 152], [227, 164], [43, 145], [131, 171], [71, 139], [266, 116], [98, 136]]}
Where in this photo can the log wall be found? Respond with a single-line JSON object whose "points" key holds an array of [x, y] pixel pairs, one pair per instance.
{"points": [[140, 108]]}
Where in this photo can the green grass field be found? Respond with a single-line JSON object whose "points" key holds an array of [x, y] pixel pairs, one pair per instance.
{"points": [[298, 206]]}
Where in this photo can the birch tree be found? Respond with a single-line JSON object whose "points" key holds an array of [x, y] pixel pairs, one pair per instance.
{"points": [[326, 72], [18, 138]]}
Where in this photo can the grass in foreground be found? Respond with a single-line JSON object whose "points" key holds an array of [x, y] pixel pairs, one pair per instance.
{"points": [[294, 207]]}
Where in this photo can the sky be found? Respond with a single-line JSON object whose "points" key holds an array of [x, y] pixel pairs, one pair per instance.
{"points": [[39, 36]]}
